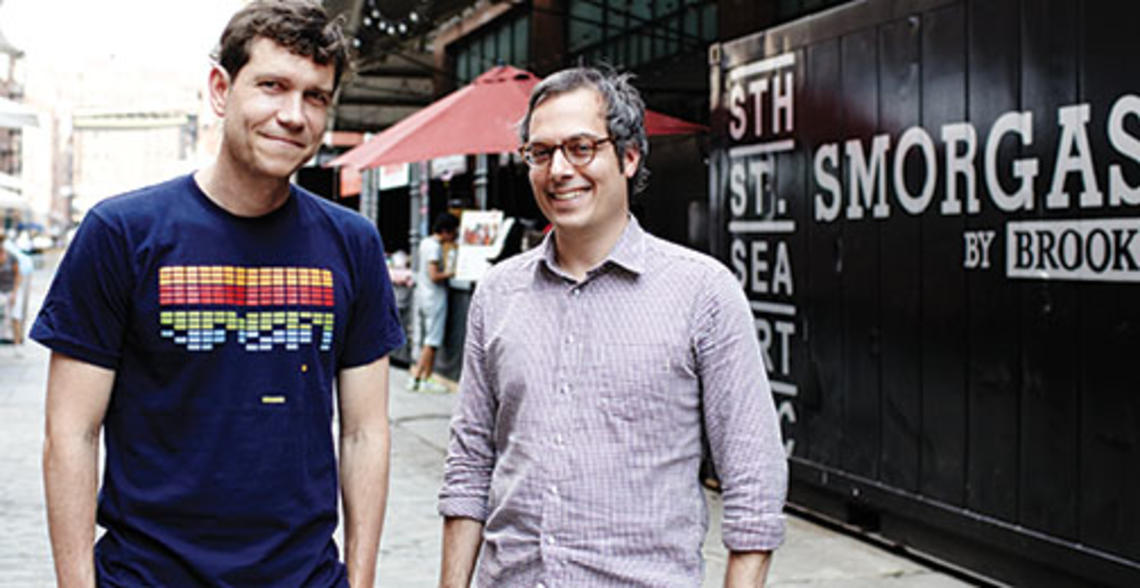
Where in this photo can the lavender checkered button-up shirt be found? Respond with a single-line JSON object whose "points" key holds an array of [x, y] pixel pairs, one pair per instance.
{"points": [[577, 437]]}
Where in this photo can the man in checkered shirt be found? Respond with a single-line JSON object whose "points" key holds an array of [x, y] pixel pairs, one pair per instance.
{"points": [[592, 364]]}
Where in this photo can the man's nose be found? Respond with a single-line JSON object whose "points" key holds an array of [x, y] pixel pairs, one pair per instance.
{"points": [[559, 165], [291, 113]]}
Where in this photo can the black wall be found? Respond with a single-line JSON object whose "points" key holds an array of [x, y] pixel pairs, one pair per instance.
{"points": [[991, 420]]}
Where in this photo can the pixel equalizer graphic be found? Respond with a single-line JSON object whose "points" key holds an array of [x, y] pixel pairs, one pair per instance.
{"points": [[261, 308]]}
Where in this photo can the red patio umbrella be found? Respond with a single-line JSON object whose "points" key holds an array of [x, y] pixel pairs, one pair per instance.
{"points": [[478, 118], [663, 124]]}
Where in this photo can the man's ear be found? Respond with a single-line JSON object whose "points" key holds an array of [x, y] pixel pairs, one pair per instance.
{"points": [[629, 161], [219, 84]]}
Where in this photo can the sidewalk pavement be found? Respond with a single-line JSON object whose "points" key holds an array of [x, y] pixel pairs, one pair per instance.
{"points": [[25, 553], [812, 555]]}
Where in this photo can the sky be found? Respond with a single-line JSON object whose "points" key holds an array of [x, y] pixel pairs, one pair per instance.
{"points": [[175, 34]]}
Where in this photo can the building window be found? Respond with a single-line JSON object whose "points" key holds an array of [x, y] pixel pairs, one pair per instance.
{"points": [[10, 151], [629, 33], [506, 41]]}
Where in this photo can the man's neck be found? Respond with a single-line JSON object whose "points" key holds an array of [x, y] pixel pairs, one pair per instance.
{"points": [[580, 251], [240, 193]]}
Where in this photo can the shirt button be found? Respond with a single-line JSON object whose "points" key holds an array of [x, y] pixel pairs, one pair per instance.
{"points": [[577, 292], [564, 389], [550, 540], [558, 439], [554, 490], [569, 338], [540, 585]]}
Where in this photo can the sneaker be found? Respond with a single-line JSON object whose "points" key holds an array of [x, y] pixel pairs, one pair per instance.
{"points": [[413, 384], [431, 386]]}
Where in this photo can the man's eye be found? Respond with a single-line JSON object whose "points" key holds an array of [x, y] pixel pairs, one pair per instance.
{"points": [[581, 147], [319, 98], [540, 151], [270, 84]]}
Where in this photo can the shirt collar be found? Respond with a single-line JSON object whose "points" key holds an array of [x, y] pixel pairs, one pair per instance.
{"points": [[628, 252]]}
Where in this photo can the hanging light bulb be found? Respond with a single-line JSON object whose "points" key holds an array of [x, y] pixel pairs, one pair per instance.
{"points": [[413, 16], [375, 13], [402, 27], [367, 21]]}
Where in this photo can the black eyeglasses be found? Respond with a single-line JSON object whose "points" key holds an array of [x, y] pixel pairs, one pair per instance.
{"points": [[578, 151]]}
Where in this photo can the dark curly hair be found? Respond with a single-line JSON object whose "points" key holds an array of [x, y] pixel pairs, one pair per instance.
{"points": [[301, 26]]}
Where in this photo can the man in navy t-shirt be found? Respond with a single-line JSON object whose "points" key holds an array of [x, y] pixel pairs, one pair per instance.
{"points": [[201, 324]]}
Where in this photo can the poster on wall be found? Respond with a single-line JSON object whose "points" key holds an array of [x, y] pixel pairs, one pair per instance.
{"points": [[481, 234]]}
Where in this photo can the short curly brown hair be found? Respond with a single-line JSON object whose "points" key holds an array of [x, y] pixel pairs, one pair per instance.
{"points": [[301, 26]]}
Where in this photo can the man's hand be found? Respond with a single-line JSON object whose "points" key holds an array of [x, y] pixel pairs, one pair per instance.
{"points": [[747, 569], [364, 442], [77, 398]]}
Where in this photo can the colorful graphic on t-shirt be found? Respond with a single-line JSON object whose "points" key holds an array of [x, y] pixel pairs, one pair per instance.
{"points": [[266, 307]]}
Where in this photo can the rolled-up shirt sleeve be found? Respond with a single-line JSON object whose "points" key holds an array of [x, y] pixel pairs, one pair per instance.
{"points": [[740, 418], [471, 449]]}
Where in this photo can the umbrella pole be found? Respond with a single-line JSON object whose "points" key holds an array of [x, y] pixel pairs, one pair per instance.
{"points": [[418, 209], [370, 195], [481, 181]]}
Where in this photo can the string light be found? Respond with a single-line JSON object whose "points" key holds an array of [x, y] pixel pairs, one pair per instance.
{"points": [[373, 16]]}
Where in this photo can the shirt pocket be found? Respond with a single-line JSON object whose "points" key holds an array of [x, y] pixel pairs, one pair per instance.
{"points": [[649, 383]]}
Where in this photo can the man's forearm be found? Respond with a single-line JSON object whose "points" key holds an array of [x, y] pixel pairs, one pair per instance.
{"points": [[747, 569], [77, 397], [364, 485], [461, 540], [70, 481]]}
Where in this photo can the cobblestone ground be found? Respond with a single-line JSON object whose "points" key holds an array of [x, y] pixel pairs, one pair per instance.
{"points": [[409, 554]]}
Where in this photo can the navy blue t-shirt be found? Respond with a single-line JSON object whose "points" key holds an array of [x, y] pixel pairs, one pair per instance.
{"points": [[226, 334]]}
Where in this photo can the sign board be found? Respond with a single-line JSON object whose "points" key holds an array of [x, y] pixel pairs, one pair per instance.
{"points": [[934, 209], [393, 176], [481, 235], [444, 168]]}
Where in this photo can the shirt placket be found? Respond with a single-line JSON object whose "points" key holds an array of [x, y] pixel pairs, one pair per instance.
{"points": [[562, 439]]}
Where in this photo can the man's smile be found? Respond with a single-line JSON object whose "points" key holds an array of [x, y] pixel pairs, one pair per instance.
{"points": [[284, 140], [572, 194]]}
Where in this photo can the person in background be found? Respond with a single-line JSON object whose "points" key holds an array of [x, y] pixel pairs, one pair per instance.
{"points": [[200, 325], [23, 293], [431, 300], [593, 364], [12, 274]]}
